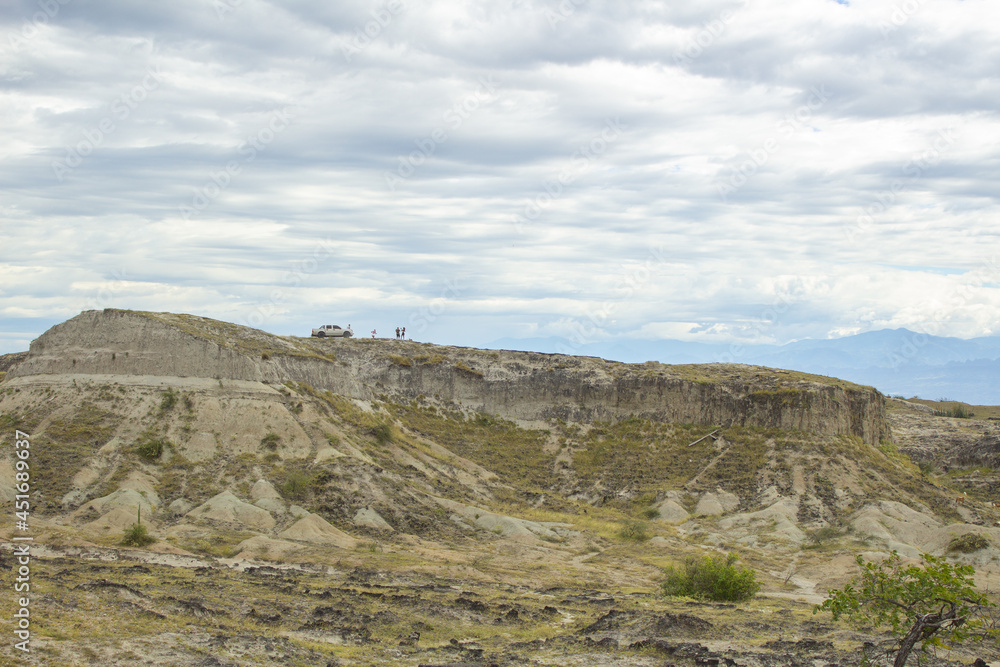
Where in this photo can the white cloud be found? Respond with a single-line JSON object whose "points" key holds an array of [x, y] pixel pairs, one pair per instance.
{"points": [[791, 155]]}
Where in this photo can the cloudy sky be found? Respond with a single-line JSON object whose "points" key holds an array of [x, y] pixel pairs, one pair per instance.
{"points": [[719, 170]]}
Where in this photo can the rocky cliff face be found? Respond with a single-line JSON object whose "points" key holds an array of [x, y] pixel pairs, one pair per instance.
{"points": [[515, 385], [8, 361]]}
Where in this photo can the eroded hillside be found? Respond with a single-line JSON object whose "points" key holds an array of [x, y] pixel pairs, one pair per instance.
{"points": [[515, 385], [509, 507]]}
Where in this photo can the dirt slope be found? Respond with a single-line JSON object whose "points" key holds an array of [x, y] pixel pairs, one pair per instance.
{"points": [[322, 501]]}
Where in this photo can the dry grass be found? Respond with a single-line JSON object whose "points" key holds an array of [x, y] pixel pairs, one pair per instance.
{"points": [[945, 406], [400, 360]]}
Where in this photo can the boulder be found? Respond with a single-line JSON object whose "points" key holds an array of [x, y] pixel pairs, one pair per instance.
{"points": [[708, 505], [672, 512]]}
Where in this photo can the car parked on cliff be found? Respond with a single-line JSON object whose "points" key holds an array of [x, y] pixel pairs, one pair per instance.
{"points": [[332, 331]]}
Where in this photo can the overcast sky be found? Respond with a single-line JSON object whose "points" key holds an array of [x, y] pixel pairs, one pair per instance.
{"points": [[756, 171]]}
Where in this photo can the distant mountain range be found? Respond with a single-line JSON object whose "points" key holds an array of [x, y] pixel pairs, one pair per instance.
{"points": [[895, 361]]}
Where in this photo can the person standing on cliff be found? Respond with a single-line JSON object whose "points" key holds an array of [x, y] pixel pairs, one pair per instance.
{"points": [[397, 333], [373, 334], [404, 333]]}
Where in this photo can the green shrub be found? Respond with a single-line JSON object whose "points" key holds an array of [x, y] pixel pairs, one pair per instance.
{"points": [[644, 499], [150, 449], [295, 485], [383, 433], [957, 412], [169, 400], [635, 531], [711, 577], [136, 535], [270, 441], [651, 513], [968, 543]]}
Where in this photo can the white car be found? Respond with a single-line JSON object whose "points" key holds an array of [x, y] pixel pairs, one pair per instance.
{"points": [[332, 331]]}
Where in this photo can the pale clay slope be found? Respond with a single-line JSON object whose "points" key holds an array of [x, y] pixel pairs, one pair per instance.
{"points": [[507, 526], [245, 411], [100, 517], [893, 525], [314, 529], [229, 511]]}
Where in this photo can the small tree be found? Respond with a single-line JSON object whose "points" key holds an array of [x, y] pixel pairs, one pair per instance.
{"points": [[634, 531], [713, 577], [930, 603]]}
